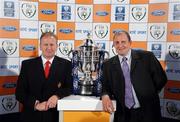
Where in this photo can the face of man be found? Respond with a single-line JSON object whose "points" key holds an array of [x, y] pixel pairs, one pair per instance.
{"points": [[122, 44], [48, 46]]}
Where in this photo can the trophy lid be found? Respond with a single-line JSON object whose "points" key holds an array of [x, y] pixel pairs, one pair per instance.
{"points": [[88, 42]]}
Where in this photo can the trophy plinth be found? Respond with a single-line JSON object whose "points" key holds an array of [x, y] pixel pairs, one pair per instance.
{"points": [[87, 61]]}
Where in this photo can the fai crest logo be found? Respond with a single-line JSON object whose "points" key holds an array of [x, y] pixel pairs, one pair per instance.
{"points": [[101, 31], [173, 109], [9, 47], [157, 31], [83, 12], [28, 9], [65, 48], [9, 103], [138, 13], [174, 51], [47, 27]]}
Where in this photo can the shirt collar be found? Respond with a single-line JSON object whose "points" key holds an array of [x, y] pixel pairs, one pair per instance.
{"points": [[128, 56], [44, 60]]}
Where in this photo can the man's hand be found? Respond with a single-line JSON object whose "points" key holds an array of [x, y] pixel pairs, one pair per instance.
{"points": [[52, 102], [107, 104], [41, 106]]}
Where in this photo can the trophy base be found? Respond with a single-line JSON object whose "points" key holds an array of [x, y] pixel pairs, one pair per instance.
{"points": [[86, 90]]}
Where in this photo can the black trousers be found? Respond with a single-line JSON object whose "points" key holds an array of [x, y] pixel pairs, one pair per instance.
{"points": [[138, 115], [133, 115]]}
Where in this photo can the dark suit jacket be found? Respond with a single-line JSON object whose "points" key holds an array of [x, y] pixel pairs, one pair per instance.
{"points": [[32, 85], [147, 77]]}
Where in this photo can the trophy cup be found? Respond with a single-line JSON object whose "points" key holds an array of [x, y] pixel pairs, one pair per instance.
{"points": [[87, 62]]}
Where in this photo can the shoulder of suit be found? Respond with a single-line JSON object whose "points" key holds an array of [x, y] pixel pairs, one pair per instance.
{"points": [[142, 53], [62, 59], [110, 60], [31, 60]]}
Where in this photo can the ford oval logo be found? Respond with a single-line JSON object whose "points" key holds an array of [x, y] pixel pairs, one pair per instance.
{"points": [[158, 13], [65, 30], [117, 31], [9, 28], [9, 85], [29, 47], [47, 12], [175, 32], [101, 13], [174, 90]]}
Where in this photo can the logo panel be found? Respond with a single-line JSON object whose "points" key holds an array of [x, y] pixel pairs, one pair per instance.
{"points": [[7, 84], [10, 9], [157, 14], [84, 13], [138, 13], [47, 11], [174, 51], [28, 47], [138, 32], [101, 31], [173, 32], [82, 30], [174, 10], [29, 29], [9, 47], [172, 109], [119, 13], [8, 104], [157, 31], [9, 66], [29, 10], [66, 12], [66, 30], [173, 71], [171, 90], [158, 48], [101, 13], [9, 28]]}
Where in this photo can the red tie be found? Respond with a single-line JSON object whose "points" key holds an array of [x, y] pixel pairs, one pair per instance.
{"points": [[47, 67]]}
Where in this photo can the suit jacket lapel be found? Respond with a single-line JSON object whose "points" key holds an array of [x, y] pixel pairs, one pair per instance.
{"points": [[134, 59], [118, 76], [53, 68], [116, 66], [40, 68]]}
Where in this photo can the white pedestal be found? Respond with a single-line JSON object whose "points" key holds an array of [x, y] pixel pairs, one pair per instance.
{"points": [[76, 103]]}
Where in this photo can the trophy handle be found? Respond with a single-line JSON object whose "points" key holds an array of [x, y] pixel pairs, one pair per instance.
{"points": [[107, 53], [70, 52]]}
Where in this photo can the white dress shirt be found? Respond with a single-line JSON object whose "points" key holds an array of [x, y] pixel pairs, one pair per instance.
{"points": [[128, 56]]}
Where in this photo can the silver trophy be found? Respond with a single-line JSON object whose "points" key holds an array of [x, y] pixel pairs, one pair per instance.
{"points": [[87, 61]]}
